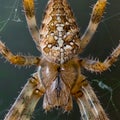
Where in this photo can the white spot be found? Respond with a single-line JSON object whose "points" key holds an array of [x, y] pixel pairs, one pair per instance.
{"points": [[58, 14], [55, 37], [68, 33], [52, 34], [62, 25], [62, 58], [59, 28], [67, 47], [53, 86], [36, 91], [64, 36], [60, 42], [67, 23], [55, 48], [60, 34], [52, 24], [47, 70], [71, 43], [58, 18], [61, 50], [49, 45], [57, 24]]}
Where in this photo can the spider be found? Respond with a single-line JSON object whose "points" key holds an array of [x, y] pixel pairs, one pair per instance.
{"points": [[59, 78]]}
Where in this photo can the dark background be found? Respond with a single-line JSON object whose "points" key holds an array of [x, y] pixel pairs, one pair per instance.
{"points": [[14, 32]]}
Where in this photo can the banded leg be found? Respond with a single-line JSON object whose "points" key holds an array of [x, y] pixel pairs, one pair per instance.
{"points": [[25, 104], [89, 105], [31, 20], [18, 59], [97, 66], [95, 19]]}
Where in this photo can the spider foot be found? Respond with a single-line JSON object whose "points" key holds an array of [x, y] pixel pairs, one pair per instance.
{"points": [[98, 11], [95, 19], [97, 66], [18, 59], [29, 8], [31, 20]]}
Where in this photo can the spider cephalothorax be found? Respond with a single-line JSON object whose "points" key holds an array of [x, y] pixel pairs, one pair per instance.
{"points": [[59, 76], [60, 88]]}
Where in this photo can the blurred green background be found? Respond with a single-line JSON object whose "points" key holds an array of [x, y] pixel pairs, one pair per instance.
{"points": [[14, 32]]}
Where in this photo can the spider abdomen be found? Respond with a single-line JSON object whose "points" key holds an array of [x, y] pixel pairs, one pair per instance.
{"points": [[59, 32]]}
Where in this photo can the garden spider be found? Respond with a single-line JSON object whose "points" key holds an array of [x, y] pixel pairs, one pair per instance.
{"points": [[59, 76]]}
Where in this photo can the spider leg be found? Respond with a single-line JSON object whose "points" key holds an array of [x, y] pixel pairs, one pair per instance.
{"points": [[89, 105], [95, 19], [31, 20], [18, 59], [25, 104], [97, 66]]}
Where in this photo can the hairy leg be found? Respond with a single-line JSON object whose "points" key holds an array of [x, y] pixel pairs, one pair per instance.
{"points": [[18, 59], [89, 105], [97, 66], [31, 20], [95, 19], [25, 104]]}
